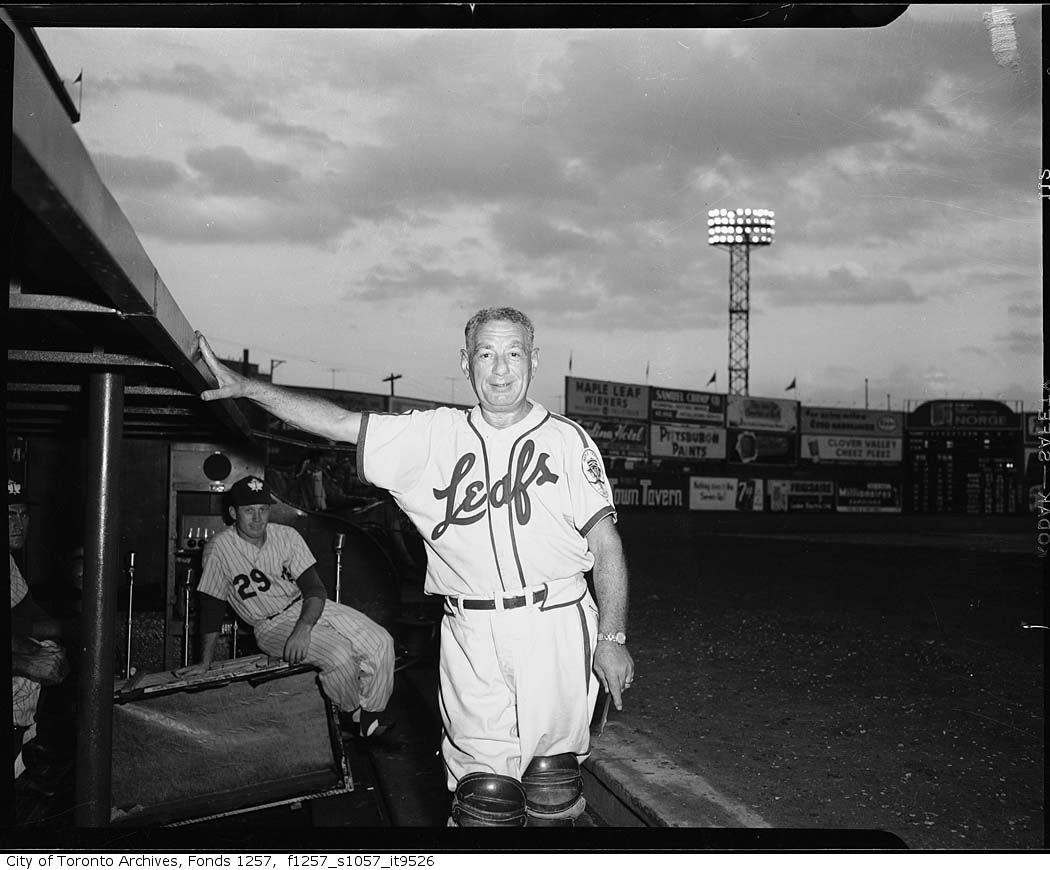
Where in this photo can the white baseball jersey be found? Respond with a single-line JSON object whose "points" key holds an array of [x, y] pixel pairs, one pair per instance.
{"points": [[499, 509], [502, 510], [258, 582]]}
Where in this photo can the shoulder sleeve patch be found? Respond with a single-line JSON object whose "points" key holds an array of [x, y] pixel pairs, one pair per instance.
{"points": [[592, 470]]}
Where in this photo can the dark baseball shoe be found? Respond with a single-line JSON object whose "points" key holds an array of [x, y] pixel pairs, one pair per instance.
{"points": [[371, 725], [363, 723]]}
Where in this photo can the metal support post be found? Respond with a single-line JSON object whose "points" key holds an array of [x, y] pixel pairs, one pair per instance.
{"points": [[101, 579]]}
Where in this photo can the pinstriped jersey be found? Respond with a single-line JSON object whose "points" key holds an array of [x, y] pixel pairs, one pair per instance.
{"points": [[258, 582], [499, 509]]}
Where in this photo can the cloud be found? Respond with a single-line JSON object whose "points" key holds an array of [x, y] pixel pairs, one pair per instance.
{"points": [[413, 281], [1034, 311], [1021, 342], [229, 170], [139, 173], [839, 285], [234, 97], [531, 235]]}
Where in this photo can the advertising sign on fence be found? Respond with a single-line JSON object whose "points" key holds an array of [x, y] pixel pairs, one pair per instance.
{"points": [[851, 421], [686, 406], [588, 398], [687, 442], [801, 495], [980, 414], [869, 498], [754, 445], [851, 448], [648, 491], [745, 412], [627, 438], [725, 494]]}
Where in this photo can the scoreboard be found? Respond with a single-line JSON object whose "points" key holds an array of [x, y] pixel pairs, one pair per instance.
{"points": [[963, 469]]}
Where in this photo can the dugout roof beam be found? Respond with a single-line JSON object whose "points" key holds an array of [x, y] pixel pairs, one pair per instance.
{"points": [[83, 294]]}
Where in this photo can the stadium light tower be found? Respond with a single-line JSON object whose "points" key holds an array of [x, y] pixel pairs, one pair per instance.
{"points": [[739, 230]]}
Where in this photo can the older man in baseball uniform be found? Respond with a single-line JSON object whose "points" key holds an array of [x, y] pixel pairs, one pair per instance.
{"points": [[514, 506], [267, 574]]}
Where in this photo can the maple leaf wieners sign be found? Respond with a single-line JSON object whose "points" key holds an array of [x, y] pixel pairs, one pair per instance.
{"points": [[592, 398]]}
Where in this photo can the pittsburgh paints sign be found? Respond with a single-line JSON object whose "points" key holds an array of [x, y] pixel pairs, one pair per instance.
{"points": [[687, 442], [589, 398], [686, 406], [845, 448], [851, 421]]}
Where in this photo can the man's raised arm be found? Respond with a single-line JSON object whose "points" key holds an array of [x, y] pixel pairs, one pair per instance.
{"points": [[302, 410]]}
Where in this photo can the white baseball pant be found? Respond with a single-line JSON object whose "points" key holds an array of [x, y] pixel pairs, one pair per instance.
{"points": [[354, 654], [516, 684]]}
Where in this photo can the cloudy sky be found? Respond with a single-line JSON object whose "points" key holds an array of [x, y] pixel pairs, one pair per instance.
{"points": [[344, 199]]}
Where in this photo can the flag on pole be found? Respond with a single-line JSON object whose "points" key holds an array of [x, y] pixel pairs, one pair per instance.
{"points": [[647, 371], [790, 386], [79, 80], [570, 362], [714, 375]]}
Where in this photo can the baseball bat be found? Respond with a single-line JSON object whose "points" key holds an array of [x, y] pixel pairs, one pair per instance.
{"points": [[340, 539], [131, 600]]}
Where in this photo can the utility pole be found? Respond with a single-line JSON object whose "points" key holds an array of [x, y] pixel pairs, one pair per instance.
{"points": [[273, 364], [333, 371], [391, 377], [865, 394]]}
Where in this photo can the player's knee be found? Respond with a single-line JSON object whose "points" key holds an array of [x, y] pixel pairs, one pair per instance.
{"points": [[341, 658], [386, 648], [553, 790], [488, 800]]}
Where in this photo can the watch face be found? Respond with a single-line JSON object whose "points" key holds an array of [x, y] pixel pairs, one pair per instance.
{"points": [[620, 637]]}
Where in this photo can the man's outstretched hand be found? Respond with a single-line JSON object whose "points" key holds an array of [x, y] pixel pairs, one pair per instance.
{"points": [[231, 384]]}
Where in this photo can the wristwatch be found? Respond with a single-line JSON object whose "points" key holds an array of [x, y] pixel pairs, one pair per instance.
{"points": [[619, 637]]}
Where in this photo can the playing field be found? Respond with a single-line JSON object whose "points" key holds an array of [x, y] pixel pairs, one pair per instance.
{"points": [[847, 672]]}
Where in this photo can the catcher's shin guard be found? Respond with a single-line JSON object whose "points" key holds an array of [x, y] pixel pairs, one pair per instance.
{"points": [[488, 800], [553, 790]]}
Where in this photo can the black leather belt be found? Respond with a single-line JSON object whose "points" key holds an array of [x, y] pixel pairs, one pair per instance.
{"points": [[291, 603], [490, 603]]}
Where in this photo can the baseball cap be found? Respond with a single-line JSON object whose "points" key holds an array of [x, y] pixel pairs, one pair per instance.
{"points": [[17, 493], [249, 490]]}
